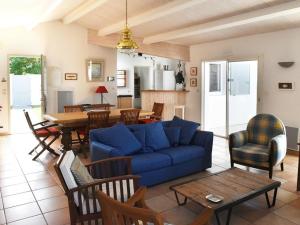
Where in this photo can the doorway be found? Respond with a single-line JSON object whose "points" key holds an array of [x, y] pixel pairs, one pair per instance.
{"points": [[142, 81], [25, 76], [229, 96]]}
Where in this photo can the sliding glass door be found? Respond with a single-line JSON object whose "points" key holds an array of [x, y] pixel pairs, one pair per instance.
{"points": [[229, 95]]}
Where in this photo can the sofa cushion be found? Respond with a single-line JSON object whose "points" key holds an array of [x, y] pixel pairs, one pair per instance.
{"points": [[173, 134], [182, 154], [149, 161], [249, 153], [156, 137], [119, 137], [188, 129]]}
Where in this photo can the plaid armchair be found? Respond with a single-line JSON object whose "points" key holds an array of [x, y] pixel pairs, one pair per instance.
{"points": [[263, 145]]}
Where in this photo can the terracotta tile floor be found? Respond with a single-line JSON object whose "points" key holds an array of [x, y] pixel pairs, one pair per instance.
{"points": [[30, 192]]}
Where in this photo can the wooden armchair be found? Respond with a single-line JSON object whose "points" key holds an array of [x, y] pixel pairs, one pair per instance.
{"points": [[84, 208], [135, 211]]}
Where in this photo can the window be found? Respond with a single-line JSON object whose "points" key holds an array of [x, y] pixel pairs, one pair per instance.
{"points": [[121, 78], [239, 73], [215, 78]]}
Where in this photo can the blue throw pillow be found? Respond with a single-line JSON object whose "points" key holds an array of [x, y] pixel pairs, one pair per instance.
{"points": [[173, 134], [156, 137], [119, 137], [188, 129], [140, 134]]}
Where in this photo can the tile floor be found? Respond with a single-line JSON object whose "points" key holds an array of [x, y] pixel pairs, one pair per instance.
{"points": [[30, 192]]}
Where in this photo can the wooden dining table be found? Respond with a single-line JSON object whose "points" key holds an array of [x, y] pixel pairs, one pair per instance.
{"points": [[72, 120]]}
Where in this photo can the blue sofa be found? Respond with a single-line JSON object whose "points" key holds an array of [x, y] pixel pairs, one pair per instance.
{"points": [[160, 165]]}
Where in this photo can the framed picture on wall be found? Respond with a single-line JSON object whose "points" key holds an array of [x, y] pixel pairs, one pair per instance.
{"points": [[71, 76], [95, 70], [193, 71], [193, 82]]}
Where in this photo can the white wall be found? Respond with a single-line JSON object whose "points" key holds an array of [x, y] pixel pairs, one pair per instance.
{"points": [[126, 62], [66, 49], [270, 48]]}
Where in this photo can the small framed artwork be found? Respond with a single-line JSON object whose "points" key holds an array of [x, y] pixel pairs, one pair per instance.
{"points": [[288, 86], [121, 78], [193, 71], [71, 76], [95, 70], [193, 82]]}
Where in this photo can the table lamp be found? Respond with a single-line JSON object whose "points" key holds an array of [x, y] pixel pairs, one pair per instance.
{"points": [[101, 90]]}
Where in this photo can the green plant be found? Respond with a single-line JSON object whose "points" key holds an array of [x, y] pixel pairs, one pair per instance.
{"points": [[24, 65]]}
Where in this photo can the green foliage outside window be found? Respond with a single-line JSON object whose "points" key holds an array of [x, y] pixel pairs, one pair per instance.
{"points": [[24, 65]]}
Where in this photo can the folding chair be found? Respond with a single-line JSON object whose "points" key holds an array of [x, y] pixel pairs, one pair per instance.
{"points": [[42, 133]]}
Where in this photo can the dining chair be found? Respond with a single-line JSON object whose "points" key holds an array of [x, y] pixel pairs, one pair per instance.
{"points": [[42, 132], [73, 108], [130, 116], [96, 119], [135, 211], [79, 130], [100, 106], [157, 110]]}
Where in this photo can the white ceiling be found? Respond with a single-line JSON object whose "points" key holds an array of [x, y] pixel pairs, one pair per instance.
{"points": [[109, 15]]}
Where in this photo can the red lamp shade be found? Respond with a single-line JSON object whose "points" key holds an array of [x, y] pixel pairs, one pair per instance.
{"points": [[101, 89]]}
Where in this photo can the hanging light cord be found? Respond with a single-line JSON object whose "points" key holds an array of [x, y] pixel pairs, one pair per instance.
{"points": [[126, 14]]}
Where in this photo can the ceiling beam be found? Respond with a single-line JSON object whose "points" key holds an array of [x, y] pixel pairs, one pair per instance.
{"points": [[54, 5], [82, 10], [167, 50], [230, 22], [150, 15]]}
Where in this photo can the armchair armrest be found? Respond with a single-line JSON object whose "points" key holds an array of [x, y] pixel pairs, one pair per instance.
{"points": [[278, 148], [204, 139], [110, 167], [238, 139], [138, 199], [101, 151], [43, 123]]}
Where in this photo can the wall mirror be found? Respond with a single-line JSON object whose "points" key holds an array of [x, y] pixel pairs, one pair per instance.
{"points": [[95, 70]]}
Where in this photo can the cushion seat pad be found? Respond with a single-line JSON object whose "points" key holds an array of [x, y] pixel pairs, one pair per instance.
{"points": [[149, 161], [251, 152], [184, 153], [46, 132]]}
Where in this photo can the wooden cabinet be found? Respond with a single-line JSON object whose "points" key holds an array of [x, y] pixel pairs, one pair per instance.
{"points": [[124, 101]]}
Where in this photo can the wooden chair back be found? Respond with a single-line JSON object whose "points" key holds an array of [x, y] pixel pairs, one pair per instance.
{"points": [[73, 108], [100, 106], [158, 109], [29, 122], [130, 116], [117, 213], [98, 119]]}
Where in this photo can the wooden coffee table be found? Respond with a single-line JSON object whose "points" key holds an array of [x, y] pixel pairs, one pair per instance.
{"points": [[234, 185]]}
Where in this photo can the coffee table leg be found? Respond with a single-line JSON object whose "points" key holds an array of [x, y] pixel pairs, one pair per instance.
{"points": [[228, 217], [218, 219], [177, 199], [274, 198]]}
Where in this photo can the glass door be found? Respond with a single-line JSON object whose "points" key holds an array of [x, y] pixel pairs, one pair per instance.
{"points": [[242, 94], [215, 97], [229, 95]]}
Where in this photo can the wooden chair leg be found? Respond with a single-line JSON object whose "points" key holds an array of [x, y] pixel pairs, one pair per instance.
{"points": [[271, 172], [281, 166], [34, 149]]}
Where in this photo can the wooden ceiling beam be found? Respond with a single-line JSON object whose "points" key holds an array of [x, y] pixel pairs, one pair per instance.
{"points": [[256, 16], [166, 50], [82, 10], [150, 15]]}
